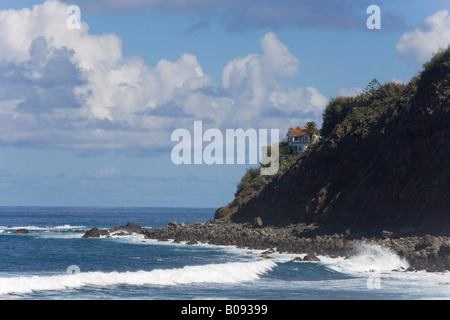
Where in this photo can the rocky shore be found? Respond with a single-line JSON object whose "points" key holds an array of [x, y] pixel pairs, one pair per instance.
{"points": [[424, 252]]}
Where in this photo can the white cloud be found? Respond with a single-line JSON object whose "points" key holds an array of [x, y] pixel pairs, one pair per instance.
{"points": [[20, 27], [277, 57], [349, 91], [418, 46], [64, 88]]}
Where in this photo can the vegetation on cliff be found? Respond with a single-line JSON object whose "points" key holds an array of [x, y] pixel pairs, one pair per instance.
{"points": [[383, 162]]}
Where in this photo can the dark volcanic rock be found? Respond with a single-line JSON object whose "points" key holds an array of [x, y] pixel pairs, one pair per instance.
{"points": [[430, 253], [129, 228], [257, 222], [93, 233], [21, 231], [172, 225], [311, 257]]}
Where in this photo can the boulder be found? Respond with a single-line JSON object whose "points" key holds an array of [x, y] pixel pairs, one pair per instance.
{"points": [[385, 234], [132, 228], [93, 233], [21, 231], [172, 225], [310, 257], [444, 255], [428, 242], [339, 244], [257, 222]]}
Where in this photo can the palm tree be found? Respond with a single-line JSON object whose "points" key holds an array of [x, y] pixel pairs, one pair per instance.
{"points": [[311, 130]]}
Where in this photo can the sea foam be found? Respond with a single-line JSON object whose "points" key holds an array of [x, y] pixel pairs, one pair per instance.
{"points": [[233, 272], [368, 258]]}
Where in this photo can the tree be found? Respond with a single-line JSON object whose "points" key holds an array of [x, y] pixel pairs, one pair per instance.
{"points": [[372, 87], [311, 130], [334, 113]]}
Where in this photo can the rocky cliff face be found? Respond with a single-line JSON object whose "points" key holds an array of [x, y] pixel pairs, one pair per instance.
{"points": [[385, 163]]}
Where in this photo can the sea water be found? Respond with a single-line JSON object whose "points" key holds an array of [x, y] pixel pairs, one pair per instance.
{"points": [[53, 261]]}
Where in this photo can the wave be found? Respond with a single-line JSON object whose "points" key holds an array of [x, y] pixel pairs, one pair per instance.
{"points": [[36, 228], [233, 272], [368, 258]]}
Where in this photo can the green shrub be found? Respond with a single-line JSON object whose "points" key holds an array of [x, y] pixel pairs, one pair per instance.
{"points": [[334, 113], [249, 176]]}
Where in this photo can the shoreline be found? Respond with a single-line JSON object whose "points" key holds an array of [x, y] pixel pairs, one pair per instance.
{"points": [[425, 252]]}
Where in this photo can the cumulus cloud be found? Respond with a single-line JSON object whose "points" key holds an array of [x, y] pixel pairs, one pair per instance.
{"points": [[44, 82], [418, 46], [62, 88]]}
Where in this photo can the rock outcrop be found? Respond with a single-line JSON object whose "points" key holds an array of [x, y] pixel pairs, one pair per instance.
{"points": [[21, 231], [93, 233], [425, 252]]}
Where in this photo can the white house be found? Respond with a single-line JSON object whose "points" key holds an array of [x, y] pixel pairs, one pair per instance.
{"points": [[298, 139]]}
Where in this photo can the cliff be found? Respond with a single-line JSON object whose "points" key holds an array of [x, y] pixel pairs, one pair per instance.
{"points": [[383, 163]]}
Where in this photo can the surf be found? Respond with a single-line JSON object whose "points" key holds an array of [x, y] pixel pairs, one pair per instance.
{"points": [[226, 273]]}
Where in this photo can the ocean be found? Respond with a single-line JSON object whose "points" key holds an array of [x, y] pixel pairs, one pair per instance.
{"points": [[53, 262]]}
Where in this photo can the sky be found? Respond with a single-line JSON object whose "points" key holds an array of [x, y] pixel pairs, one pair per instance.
{"points": [[87, 110]]}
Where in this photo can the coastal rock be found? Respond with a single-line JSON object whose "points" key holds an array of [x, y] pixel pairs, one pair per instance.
{"points": [[295, 239], [444, 255], [131, 228], [257, 222], [172, 225], [21, 231], [310, 258], [93, 233], [339, 244], [428, 242], [387, 234]]}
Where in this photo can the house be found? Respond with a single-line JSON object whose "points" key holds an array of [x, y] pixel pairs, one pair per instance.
{"points": [[297, 139]]}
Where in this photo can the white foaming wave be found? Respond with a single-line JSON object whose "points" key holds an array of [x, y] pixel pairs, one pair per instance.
{"points": [[36, 228], [368, 258], [233, 272]]}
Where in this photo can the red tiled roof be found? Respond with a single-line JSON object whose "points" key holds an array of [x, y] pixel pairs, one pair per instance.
{"points": [[299, 131]]}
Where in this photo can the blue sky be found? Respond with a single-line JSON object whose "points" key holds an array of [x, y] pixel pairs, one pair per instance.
{"points": [[86, 115]]}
